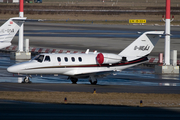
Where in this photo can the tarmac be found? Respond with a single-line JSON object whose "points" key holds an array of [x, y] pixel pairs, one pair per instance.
{"points": [[17, 110], [104, 38], [88, 88]]}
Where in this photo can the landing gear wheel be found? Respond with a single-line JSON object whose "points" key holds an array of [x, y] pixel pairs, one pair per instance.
{"points": [[74, 80], [26, 80], [93, 82]]}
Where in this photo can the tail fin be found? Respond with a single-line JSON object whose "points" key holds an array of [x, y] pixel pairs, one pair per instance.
{"points": [[9, 29], [142, 46]]}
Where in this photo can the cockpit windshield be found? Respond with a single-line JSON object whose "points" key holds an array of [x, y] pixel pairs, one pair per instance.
{"points": [[39, 58]]}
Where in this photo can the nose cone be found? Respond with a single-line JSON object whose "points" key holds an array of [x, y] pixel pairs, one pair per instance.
{"points": [[13, 69], [19, 68]]}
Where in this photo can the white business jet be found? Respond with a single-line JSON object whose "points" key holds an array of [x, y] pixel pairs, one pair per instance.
{"points": [[89, 64], [8, 30]]}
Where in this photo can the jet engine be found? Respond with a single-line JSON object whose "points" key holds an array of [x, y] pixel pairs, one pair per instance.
{"points": [[105, 58]]}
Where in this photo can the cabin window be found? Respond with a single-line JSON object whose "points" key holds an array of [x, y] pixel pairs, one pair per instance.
{"points": [[59, 59], [66, 59], [39, 58], [47, 59], [73, 59], [80, 59]]}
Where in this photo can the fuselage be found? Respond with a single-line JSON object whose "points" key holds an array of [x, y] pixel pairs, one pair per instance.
{"points": [[89, 64], [72, 64]]}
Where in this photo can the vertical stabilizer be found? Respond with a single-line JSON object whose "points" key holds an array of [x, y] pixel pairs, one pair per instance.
{"points": [[142, 46], [8, 30]]}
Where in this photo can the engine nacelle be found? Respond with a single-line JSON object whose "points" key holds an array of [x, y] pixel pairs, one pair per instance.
{"points": [[104, 58]]}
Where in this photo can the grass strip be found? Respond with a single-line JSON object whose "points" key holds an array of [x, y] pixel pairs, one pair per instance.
{"points": [[127, 99]]}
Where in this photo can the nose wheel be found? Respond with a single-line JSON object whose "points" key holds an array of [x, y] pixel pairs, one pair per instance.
{"points": [[26, 80]]}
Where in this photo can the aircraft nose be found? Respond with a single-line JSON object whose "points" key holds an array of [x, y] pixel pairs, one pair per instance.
{"points": [[13, 69], [18, 68]]}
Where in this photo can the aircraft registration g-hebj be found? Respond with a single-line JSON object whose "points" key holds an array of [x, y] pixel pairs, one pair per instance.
{"points": [[89, 64], [8, 30]]}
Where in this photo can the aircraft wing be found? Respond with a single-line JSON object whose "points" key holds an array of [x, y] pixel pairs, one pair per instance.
{"points": [[95, 74]]}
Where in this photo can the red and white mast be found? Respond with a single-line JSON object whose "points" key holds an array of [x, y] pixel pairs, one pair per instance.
{"points": [[167, 33], [21, 30]]}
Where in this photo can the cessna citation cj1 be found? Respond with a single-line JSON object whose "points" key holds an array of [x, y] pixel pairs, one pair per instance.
{"points": [[89, 64], [8, 30]]}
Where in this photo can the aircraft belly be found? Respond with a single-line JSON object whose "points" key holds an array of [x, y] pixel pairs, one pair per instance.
{"points": [[46, 71], [86, 70]]}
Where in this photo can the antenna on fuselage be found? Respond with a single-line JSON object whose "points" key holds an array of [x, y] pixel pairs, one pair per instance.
{"points": [[87, 51]]}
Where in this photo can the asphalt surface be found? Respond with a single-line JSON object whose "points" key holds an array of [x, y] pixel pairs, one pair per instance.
{"points": [[103, 38], [112, 38], [88, 88], [107, 38], [15, 110]]}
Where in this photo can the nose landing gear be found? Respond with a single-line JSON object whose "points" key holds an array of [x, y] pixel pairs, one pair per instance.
{"points": [[26, 80]]}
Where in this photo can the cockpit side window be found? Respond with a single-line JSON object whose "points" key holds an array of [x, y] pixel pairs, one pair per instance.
{"points": [[47, 59], [39, 58]]}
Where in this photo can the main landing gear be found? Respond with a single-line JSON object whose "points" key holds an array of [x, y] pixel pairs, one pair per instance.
{"points": [[26, 80], [74, 80], [92, 80]]}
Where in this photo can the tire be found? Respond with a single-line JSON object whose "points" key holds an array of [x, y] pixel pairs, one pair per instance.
{"points": [[26, 80], [74, 80], [93, 83]]}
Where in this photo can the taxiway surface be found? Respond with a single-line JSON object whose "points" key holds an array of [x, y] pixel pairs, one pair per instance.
{"points": [[104, 38], [16, 110], [61, 87], [134, 79]]}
